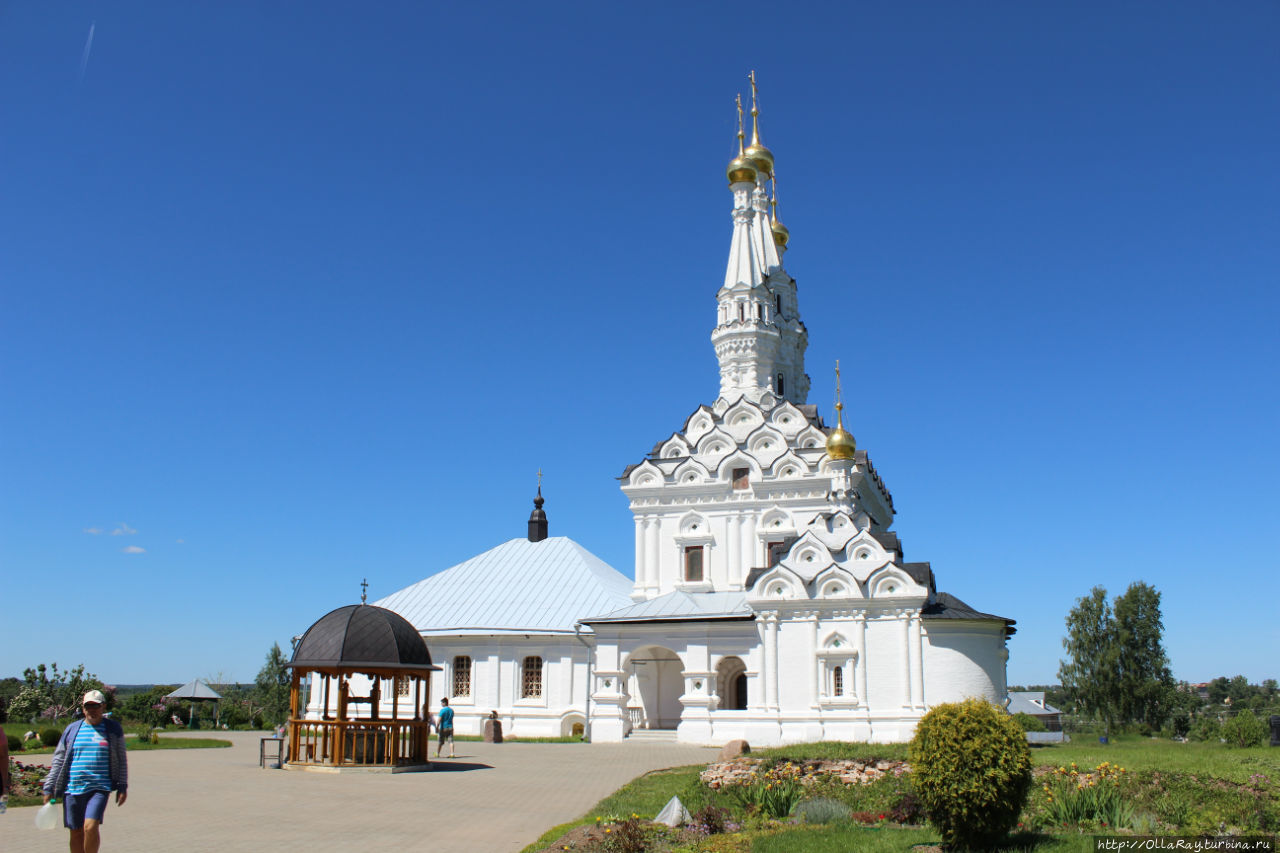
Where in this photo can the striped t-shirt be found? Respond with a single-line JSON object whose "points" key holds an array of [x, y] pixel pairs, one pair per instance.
{"points": [[90, 760]]}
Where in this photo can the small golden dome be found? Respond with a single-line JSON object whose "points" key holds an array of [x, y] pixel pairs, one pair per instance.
{"points": [[840, 444], [741, 169], [780, 233], [760, 156]]}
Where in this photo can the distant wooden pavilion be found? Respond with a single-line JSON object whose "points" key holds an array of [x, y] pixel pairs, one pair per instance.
{"points": [[361, 639]]}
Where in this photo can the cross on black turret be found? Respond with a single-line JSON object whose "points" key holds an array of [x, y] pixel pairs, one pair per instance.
{"points": [[364, 590], [538, 518]]}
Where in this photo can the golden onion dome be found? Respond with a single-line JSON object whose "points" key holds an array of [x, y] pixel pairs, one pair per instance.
{"points": [[840, 444], [741, 169], [780, 233], [759, 155]]}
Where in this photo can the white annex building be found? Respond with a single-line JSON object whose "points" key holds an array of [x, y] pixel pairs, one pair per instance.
{"points": [[771, 600]]}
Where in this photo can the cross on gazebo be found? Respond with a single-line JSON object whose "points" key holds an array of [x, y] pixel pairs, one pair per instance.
{"points": [[364, 590]]}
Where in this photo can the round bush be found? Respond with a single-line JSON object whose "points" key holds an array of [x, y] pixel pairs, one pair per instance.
{"points": [[50, 737], [15, 743], [971, 769], [1244, 729], [1028, 723]]}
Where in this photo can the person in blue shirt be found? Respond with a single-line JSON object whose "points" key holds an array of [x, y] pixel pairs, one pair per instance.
{"points": [[445, 727], [89, 763]]}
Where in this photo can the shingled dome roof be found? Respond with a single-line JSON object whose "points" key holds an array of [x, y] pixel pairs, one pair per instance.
{"points": [[361, 635]]}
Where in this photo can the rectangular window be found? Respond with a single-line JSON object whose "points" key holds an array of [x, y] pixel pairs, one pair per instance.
{"points": [[403, 684], [531, 678], [837, 681], [693, 564], [740, 478], [462, 675], [776, 551]]}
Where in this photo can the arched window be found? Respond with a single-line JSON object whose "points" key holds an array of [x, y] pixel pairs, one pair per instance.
{"points": [[462, 675], [837, 681], [531, 678]]}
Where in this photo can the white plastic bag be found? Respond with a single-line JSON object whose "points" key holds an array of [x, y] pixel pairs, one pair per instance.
{"points": [[47, 816], [673, 814]]}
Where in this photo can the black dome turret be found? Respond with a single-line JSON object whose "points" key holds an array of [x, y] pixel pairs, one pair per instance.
{"points": [[361, 635]]}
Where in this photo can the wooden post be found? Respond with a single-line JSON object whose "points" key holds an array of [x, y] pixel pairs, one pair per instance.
{"points": [[293, 715]]}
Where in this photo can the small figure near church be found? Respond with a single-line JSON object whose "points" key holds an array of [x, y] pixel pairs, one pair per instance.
{"points": [[445, 728], [89, 763]]}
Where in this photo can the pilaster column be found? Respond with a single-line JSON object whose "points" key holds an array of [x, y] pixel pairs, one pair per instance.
{"points": [[653, 557], [905, 620], [860, 645], [771, 657], [815, 665], [917, 662]]}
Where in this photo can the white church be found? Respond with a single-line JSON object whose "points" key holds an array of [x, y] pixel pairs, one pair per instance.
{"points": [[770, 600]]}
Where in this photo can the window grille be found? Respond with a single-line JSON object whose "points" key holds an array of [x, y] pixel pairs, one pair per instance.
{"points": [[837, 681], [462, 675], [531, 678]]}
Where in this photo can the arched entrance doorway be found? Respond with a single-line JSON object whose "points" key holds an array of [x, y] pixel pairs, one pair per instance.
{"points": [[655, 683], [731, 684]]}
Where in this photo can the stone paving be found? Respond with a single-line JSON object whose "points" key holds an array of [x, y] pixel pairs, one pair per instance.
{"points": [[492, 798]]}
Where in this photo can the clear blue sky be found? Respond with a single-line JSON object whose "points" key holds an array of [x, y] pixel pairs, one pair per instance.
{"points": [[300, 293]]}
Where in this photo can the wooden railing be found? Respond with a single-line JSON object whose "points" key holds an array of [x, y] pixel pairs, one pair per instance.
{"points": [[358, 743]]}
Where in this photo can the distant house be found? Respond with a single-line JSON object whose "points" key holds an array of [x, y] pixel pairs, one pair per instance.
{"points": [[1032, 702]]}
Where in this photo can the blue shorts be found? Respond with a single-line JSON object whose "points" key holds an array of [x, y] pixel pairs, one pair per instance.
{"points": [[77, 807]]}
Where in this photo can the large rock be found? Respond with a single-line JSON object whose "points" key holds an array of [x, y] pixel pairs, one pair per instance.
{"points": [[733, 749]]}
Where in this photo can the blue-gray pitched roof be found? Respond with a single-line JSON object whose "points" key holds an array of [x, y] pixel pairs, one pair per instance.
{"points": [[519, 587], [681, 606]]}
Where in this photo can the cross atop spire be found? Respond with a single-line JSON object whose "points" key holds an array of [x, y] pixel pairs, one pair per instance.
{"points": [[364, 590]]}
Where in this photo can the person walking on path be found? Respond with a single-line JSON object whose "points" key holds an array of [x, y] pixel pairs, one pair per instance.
{"points": [[89, 763], [445, 728]]}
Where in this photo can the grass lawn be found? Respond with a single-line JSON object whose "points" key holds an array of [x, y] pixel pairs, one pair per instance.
{"points": [[135, 745], [1136, 753], [1195, 787]]}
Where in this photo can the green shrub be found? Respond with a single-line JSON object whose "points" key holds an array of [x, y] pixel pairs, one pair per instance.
{"points": [[1029, 723], [15, 743], [1244, 729], [971, 769], [1182, 725], [772, 793], [1206, 728], [822, 810], [50, 736]]}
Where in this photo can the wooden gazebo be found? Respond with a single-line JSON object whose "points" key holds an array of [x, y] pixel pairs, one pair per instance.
{"points": [[388, 728]]}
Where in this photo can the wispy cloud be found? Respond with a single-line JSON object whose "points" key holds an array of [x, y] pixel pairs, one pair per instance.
{"points": [[93, 531], [123, 529], [133, 549], [182, 541], [88, 46]]}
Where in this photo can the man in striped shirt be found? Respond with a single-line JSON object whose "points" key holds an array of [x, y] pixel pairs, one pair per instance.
{"points": [[89, 763]]}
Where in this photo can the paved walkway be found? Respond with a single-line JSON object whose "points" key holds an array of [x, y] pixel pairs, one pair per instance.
{"points": [[492, 798]]}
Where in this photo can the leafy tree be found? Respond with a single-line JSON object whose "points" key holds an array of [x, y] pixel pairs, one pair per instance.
{"points": [[1218, 690], [273, 687], [1091, 677], [1144, 681], [64, 690]]}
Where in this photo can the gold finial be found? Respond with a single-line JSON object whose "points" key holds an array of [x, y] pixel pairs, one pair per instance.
{"points": [[741, 169], [755, 111], [756, 151], [781, 234], [840, 444], [741, 135]]}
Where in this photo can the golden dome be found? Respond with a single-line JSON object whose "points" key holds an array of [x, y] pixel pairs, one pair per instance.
{"points": [[840, 444], [741, 169], [780, 233], [759, 155]]}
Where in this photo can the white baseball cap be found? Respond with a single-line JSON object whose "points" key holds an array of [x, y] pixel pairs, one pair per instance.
{"points": [[94, 696]]}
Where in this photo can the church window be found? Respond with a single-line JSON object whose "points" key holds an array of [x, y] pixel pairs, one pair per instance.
{"points": [[776, 551], [693, 563], [781, 384], [837, 681], [741, 478], [403, 684], [462, 675], [742, 311], [757, 310], [531, 678], [778, 301]]}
